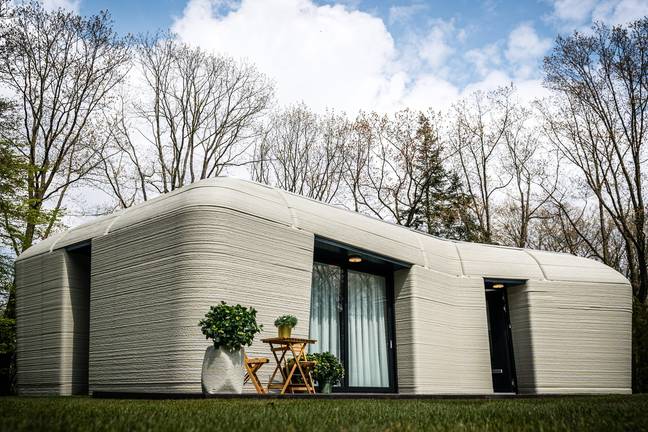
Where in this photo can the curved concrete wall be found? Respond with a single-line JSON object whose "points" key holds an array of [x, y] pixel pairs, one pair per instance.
{"points": [[572, 337], [154, 280], [158, 266], [441, 333], [52, 314]]}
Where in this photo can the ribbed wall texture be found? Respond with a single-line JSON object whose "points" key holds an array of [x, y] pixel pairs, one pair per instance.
{"points": [[158, 266], [571, 337], [441, 335], [39, 319], [52, 311], [405, 319], [154, 280]]}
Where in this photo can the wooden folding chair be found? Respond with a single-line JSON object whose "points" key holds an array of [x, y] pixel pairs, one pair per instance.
{"points": [[306, 383], [252, 365]]}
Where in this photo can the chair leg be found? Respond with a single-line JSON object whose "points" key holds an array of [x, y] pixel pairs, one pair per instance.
{"points": [[252, 376], [309, 377]]}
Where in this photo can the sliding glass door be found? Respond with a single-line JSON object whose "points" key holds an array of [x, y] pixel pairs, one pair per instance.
{"points": [[326, 305], [350, 317], [367, 330]]}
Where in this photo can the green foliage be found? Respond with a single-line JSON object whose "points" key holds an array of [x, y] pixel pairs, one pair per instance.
{"points": [[7, 288], [286, 320], [7, 325], [16, 208], [328, 368], [7, 355], [639, 347], [444, 207], [230, 327], [13, 172], [447, 211]]}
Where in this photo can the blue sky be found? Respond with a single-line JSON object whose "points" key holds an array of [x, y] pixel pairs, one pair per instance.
{"points": [[351, 55], [488, 20], [364, 54]]}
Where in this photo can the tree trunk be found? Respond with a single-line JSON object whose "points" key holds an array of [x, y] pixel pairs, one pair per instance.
{"points": [[642, 289]]}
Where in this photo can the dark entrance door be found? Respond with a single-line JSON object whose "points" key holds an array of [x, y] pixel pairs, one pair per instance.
{"points": [[501, 346]]}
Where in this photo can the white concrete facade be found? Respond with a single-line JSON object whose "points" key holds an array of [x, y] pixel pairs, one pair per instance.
{"points": [[158, 266]]}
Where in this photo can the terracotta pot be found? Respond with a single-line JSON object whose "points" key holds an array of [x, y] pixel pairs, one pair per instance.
{"points": [[284, 331], [222, 371]]}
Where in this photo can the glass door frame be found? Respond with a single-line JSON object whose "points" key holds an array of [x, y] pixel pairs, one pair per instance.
{"points": [[372, 266]]}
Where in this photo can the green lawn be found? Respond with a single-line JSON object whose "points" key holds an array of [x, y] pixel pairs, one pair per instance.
{"points": [[604, 413]]}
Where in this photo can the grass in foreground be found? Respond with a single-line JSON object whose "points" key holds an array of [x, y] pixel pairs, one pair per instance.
{"points": [[603, 413]]}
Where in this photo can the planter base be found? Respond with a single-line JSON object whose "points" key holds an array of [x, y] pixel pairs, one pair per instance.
{"points": [[284, 331], [326, 388], [222, 371]]}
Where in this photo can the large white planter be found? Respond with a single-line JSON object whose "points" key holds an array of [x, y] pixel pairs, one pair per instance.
{"points": [[222, 371]]}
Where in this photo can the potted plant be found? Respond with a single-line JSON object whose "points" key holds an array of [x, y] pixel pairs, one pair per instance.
{"points": [[328, 371], [230, 328], [285, 324]]}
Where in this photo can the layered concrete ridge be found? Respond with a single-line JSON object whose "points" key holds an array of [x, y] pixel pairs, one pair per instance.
{"points": [[158, 266], [451, 257]]}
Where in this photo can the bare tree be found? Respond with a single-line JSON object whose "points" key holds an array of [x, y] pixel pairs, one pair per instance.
{"points": [[381, 170], [524, 158], [61, 68], [598, 122], [194, 118], [126, 170], [303, 152], [395, 169], [359, 151], [478, 130], [566, 224]]}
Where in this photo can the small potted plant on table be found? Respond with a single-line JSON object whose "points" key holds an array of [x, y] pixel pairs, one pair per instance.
{"points": [[328, 371], [285, 324], [230, 328]]}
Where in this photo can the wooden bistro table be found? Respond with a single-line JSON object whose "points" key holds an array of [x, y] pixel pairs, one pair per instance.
{"points": [[284, 349]]}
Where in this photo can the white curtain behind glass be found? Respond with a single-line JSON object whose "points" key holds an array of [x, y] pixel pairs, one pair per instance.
{"points": [[367, 305], [325, 298]]}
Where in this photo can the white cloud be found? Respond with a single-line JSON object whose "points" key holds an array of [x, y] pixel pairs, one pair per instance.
{"points": [[429, 91], [526, 90], [620, 12], [485, 59], [51, 5], [573, 11], [429, 49], [434, 47], [525, 49], [324, 55], [327, 56], [403, 13], [494, 79], [340, 57], [518, 63], [581, 13], [525, 45]]}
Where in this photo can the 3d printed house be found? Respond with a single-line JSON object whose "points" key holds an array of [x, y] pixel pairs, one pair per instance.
{"points": [[113, 305]]}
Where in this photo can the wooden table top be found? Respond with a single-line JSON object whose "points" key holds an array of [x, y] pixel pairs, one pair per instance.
{"points": [[290, 340]]}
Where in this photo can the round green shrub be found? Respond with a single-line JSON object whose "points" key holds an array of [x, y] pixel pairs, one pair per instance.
{"points": [[286, 320], [230, 327], [328, 368]]}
